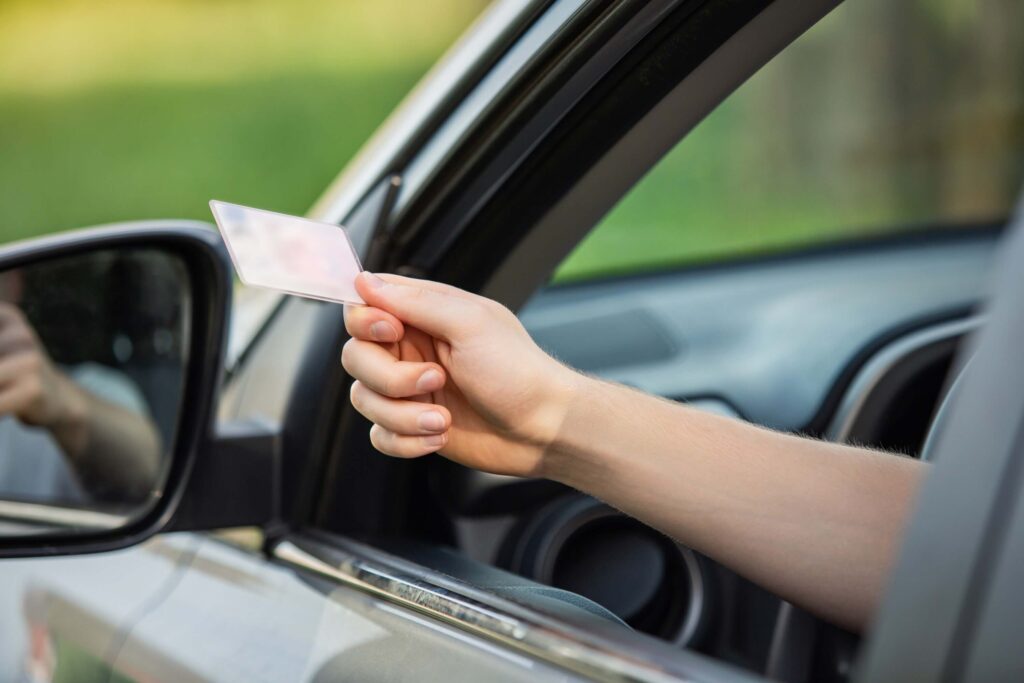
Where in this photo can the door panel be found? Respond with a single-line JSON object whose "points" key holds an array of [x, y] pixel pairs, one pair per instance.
{"points": [[62, 618], [234, 615]]}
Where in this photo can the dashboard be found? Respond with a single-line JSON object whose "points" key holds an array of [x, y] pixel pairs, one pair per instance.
{"points": [[852, 343]]}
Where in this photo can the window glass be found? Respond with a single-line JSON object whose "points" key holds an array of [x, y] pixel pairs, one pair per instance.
{"points": [[884, 118]]}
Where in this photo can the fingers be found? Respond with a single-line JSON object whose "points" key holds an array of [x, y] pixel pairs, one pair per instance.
{"points": [[437, 309], [409, 418], [9, 312], [13, 399], [374, 366], [373, 324], [402, 446], [20, 384], [14, 338], [432, 285], [19, 365]]}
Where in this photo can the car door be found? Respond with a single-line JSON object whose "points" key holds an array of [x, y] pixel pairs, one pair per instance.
{"points": [[482, 185], [70, 589], [234, 616], [333, 488], [65, 618]]}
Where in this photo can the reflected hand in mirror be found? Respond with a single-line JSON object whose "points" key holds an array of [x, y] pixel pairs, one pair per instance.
{"points": [[92, 350], [113, 451]]}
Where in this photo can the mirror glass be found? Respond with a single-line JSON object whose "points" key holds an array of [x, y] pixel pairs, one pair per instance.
{"points": [[92, 365]]}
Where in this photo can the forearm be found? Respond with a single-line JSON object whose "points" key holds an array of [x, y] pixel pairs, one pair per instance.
{"points": [[817, 523], [115, 452]]}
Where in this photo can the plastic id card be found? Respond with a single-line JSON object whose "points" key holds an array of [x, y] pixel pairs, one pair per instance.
{"points": [[288, 253]]}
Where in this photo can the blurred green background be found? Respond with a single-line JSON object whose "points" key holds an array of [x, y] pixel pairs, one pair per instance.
{"points": [[884, 118], [126, 109]]}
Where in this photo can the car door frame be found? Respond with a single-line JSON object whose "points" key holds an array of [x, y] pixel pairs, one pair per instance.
{"points": [[946, 615], [516, 134], [407, 241]]}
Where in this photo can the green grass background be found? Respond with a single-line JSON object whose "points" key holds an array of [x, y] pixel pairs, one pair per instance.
{"points": [[130, 109]]}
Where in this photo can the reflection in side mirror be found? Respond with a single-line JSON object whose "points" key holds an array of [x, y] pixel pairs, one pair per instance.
{"points": [[93, 348]]}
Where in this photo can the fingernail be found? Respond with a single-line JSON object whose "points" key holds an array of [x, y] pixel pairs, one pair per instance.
{"points": [[382, 331], [429, 381], [435, 441], [431, 421], [372, 280]]}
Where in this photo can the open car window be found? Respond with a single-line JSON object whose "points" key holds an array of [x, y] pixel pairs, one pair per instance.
{"points": [[883, 119]]}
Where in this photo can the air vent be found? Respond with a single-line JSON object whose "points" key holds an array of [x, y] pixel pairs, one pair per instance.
{"points": [[583, 546], [630, 337]]}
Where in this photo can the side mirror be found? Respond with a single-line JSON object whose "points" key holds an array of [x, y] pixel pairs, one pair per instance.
{"points": [[111, 347]]}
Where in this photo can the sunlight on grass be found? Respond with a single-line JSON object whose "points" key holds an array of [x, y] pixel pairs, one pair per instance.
{"points": [[119, 110], [61, 45]]}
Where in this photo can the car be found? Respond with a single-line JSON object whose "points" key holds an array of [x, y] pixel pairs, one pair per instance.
{"points": [[275, 544]]}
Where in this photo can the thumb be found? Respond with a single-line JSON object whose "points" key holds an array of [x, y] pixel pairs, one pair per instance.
{"points": [[435, 308]]}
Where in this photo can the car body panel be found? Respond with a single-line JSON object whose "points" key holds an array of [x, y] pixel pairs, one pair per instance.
{"points": [[82, 604], [236, 616]]}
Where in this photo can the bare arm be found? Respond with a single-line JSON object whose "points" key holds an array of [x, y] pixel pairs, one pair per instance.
{"points": [[439, 369], [115, 452], [814, 522]]}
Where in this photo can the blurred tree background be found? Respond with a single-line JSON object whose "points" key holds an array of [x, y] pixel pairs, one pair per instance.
{"points": [[127, 109], [885, 117]]}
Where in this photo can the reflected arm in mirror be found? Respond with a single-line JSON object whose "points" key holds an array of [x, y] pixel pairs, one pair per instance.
{"points": [[115, 452]]}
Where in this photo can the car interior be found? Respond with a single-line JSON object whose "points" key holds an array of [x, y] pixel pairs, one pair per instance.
{"points": [[870, 368]]}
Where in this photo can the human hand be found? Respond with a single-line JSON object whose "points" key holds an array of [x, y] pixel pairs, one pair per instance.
{"points": [[441, 369], [31, 388]]}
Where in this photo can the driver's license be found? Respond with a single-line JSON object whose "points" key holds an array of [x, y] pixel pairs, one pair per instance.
{"points": [[288, 253]]}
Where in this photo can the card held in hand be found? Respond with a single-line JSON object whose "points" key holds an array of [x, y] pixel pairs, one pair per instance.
{"points": [[291, 254]]}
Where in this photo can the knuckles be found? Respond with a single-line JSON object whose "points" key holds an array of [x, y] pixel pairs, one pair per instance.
{"points": [[390, 386], [358, 321]]}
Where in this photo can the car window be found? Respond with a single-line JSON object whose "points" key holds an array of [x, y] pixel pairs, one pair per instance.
{"points": [[885, 118]]}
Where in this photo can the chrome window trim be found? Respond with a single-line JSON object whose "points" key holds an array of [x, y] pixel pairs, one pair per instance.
{"points": [[511, 625]]}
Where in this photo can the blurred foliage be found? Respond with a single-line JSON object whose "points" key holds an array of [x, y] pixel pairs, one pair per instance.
{"points": [[886, 117], [129, 109]]}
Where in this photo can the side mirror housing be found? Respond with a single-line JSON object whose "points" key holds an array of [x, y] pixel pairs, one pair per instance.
{"points": [[129, 321]]}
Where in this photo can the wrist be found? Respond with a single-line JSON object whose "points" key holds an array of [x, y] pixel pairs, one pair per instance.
{"points": [[579, 396], [71, 418], [554, 398]]}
